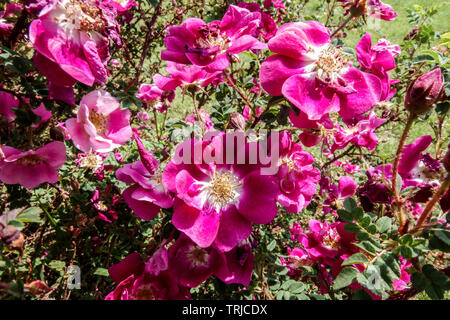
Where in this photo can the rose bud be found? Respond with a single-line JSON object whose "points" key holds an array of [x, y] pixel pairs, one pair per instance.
{"points": [[237, 121], [424, 91]]}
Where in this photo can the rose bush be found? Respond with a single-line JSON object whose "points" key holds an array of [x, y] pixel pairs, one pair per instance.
{"points": [[253, 150]]}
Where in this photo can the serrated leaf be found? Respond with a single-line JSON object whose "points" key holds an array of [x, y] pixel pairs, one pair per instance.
{"points": [[352, 227], [346, 277], [345, 215], [356, 258], [350, 204], [384, 224]]}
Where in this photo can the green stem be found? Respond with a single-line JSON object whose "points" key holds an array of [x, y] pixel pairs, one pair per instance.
{"points": [[398, 154]]}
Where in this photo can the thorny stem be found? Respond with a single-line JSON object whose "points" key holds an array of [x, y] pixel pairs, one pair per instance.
{"points": [[411, 118], [239, 91], [342, 25], [430, 205], [146, 46], [339, 156]]}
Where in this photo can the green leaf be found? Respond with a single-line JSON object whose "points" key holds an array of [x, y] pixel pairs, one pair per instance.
{"points": [[358, 213], [271, 245], [365, 221], [31, 214], [361, 294], [346, 277], [345, 215], [296, 287], [419, 281], [444, 236], [101, 272], [437, 277], [350, 204], [356, 258], [16, 223], [384, 224], [352, 227], [16, 288], [57, 265]]}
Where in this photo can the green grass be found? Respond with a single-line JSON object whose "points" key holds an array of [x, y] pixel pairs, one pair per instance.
{"points": [[397, 29]]}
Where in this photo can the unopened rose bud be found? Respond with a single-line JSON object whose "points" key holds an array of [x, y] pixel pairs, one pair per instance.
{"points": [[424, 91], [237, 121]]}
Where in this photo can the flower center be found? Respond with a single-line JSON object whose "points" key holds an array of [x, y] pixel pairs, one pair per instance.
{"points": [[82, 15], [329, 64], [31, 159], [90, 161], [331, 239], [144, 292], [297, 262], [198, 256], [99, 121], [223, 189], [289, 162], [211, 37]]}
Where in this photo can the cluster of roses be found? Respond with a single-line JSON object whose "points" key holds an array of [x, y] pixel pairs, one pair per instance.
{"points": [[327, 246], [71, 39], [216, 200]]}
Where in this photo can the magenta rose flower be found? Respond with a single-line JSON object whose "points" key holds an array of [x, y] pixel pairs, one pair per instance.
{"points": [[192, 264], [378, 60], [153, 96], [151, 281], [147, 195], [362, 134], [184, 76], [215, 201], [71, 39], [32, 167], [296, 176], [373, 8], [207, 44], [238, 267], [315, 76], [122, 6], [100, 124]]}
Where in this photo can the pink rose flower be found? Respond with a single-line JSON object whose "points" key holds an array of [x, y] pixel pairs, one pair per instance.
{"points": [[147, 195], [184, 76], [71, 39], [296, 175], [192, 264], [373, 8], [32, 167], [315, 76], [42, 112], [239, 265], [207, 44], [151, 281], [100, 124], [216, 202]]}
